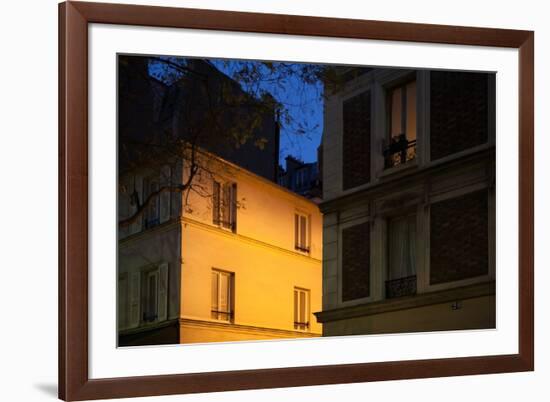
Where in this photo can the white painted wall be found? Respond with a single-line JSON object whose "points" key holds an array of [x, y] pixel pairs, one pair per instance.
{"points": [[28, 162]]}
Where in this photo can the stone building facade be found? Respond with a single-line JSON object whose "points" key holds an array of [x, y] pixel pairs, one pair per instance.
{"points": [[409, 203]]}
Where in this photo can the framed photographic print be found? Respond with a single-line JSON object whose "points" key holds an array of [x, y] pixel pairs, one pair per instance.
{"points": [[260, 200]]}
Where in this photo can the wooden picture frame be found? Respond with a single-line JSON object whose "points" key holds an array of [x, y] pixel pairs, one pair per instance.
{"points": [[74, 381]]}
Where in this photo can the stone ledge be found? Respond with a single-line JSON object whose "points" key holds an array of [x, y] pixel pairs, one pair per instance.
{"points": [[408, 302]]}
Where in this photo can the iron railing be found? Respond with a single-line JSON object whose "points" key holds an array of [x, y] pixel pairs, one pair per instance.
{"points": [[401, 287], [399, 151]]}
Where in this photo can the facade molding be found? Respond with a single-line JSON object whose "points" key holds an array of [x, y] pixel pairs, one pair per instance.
{"points": [[245, 239], [408, 302], [241, 328], [420, 173]]}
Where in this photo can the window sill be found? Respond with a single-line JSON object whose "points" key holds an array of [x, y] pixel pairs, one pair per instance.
{"points": [[410, 165], [407, 302]]}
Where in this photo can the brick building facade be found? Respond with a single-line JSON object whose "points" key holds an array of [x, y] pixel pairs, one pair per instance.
{"points": [[409, 203]]}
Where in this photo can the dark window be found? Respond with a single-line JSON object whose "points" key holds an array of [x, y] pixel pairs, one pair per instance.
{"points": [[459, 238], [459, 111], [356, 262], [357, 133]]}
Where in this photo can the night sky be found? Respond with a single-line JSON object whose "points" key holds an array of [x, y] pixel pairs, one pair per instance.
{"points": [[305, 106]]}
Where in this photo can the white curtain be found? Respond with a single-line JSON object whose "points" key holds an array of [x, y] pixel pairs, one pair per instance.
{"points": [[402, 247]]}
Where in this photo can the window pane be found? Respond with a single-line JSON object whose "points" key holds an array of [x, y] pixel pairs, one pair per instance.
{"points": [[402, 249], [302, 306], [214, 291], [296, 316], [303, 232], [224, 293], [411, 111], [296, 230], [396, 108]]}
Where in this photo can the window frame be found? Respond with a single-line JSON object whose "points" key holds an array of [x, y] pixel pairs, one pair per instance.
{"points": [[218, 204], [304, 248], [403, 214], [230, 296], [299, 325]]}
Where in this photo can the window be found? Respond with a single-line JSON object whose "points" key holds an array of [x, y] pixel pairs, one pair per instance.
{"points": [[301, 233], [150, 296], [150, 186], [222, 295], [459, 238], [143, 296], [301, 309], [356, 152], [401, 256], [224, 205], [123, 301], [402, 125]]}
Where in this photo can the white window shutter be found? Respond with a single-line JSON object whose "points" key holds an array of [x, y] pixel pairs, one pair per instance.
{"points": [[233, 202], [303, 231], [133, 318], [135, 227], [123, 302], [296, 230], [216, 202], [226, 205], [165, 180], [163, 292]]}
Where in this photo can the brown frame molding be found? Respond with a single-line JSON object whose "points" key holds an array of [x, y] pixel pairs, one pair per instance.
{"points": [[74, 383]]}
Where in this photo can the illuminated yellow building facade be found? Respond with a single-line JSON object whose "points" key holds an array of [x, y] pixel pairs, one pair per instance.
{"points": [[236, 258]]}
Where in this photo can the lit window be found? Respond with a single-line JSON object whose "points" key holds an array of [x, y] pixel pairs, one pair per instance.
{"points": [[301, 235], [402, 256], [402, 124], [224, 205], [222, 295], [301, 309]]}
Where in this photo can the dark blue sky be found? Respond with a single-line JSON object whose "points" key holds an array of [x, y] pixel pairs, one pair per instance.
{"points": [[305, 107], [304, 104]]}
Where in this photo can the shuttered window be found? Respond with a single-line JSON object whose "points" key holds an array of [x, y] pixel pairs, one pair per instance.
{"points": [[356, 262], [136, 200], [459, 238], [356, 140], [224, 205], [143, 297], [301, 232], [301, 309], [150, 187], [222, 295], [459, 111], [165, 182], [123, 301]]}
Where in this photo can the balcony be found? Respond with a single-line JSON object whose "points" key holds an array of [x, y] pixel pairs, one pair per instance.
{"points": [[399, 151], [401, 287]]}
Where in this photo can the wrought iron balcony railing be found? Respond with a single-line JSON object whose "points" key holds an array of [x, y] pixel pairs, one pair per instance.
{"points": [[401, 287], [399, 151], [303, 326], [222, 315]]}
